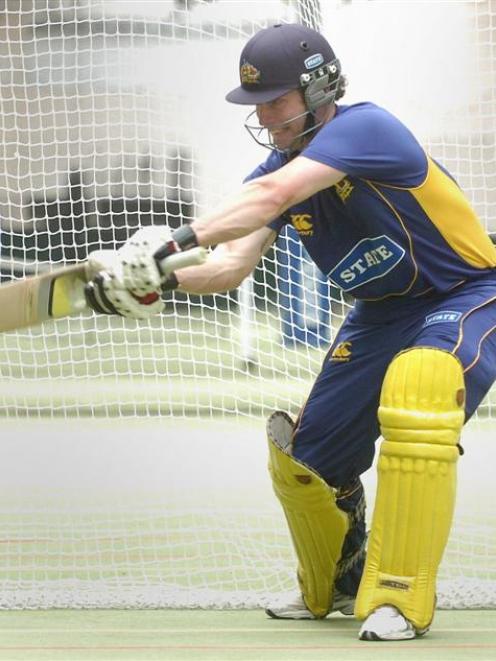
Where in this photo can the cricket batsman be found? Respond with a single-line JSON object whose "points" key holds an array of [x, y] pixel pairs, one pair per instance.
{"points": [[412, 361]]}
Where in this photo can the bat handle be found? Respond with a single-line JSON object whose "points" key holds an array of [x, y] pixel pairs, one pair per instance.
{"points": [[180, 260]]}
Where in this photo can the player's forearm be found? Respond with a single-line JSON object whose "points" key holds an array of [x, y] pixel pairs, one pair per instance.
{"points": [[215, 276], [253, 207]]}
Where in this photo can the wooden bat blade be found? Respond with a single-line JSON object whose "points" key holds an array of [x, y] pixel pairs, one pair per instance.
{"points": [[36, 299], [60, 293]]}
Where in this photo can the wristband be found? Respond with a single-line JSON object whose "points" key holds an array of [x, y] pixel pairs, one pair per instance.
{"points": [[185, 237], [170, 283], [182, 239]]}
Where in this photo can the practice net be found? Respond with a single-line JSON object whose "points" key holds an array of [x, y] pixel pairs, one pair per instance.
{"points": [[133, 467]]}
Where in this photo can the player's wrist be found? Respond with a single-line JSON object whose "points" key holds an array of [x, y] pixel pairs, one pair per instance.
{"points": [[181, 240], [170, 283], [185, 237]]}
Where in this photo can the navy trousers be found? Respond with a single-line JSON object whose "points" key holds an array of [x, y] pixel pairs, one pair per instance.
{"points": [[338, 426]]}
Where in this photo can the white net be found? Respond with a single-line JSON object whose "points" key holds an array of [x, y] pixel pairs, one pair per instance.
{"points": [[113, 116]]}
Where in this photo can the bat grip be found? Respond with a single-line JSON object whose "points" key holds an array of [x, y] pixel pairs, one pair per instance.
{"points": [[180, 260]]}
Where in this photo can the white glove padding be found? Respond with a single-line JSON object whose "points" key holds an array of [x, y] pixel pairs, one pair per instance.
{"points": [[140, 272], [106, 293]]}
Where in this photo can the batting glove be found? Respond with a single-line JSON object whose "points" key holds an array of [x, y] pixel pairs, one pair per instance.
{"points": [[141, 273], [144, 256], [106, 292]]}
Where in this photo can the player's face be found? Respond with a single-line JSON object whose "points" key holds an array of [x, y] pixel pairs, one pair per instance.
{"points": [[277, 117]]}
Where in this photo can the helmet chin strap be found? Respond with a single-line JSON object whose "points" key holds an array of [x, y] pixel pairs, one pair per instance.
{"points": [[257, 131], [310, 124]]}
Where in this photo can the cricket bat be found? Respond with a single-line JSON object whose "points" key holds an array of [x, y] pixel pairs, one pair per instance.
{"points": [[60, 293]]}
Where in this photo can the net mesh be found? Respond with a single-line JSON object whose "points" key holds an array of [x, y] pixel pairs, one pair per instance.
{"points": [[113, 117]]}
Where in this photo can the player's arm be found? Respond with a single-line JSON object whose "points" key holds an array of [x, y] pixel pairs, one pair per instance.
{"points": [[227, 266], [248, 211], [264, 199]]}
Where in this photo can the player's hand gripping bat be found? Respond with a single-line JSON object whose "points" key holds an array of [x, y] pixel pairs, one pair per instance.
{"points": [[60, 293]]}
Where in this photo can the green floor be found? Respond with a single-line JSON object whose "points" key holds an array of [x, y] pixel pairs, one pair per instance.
{"points": [[46, 537], [234, 635]]}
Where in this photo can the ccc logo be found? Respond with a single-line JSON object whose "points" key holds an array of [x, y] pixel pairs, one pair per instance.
{"points": [[342, 352], [302, 222]]}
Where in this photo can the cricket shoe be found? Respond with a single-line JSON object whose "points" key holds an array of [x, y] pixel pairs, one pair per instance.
{"points": [[295, 609], [387, 623]]}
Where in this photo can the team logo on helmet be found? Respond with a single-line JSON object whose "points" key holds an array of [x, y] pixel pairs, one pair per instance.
{"points": [[249, 74], [314, 61]]}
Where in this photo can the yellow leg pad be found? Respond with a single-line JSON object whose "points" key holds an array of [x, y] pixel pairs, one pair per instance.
{"points": [[317, 526], [421, 414]]}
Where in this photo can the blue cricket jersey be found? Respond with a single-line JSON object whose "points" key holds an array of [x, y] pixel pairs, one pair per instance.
{"points": [[397, 224]]}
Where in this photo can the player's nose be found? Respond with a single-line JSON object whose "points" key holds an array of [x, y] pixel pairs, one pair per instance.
{"points": [[264, 115]]}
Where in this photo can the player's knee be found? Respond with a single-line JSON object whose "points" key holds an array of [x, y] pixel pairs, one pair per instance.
{"points": [[335, 466], [336, 471], [422, 398]]}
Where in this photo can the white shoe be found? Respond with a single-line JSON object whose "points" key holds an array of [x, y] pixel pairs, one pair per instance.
{"points": [[387, 623], [295, 609]]}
